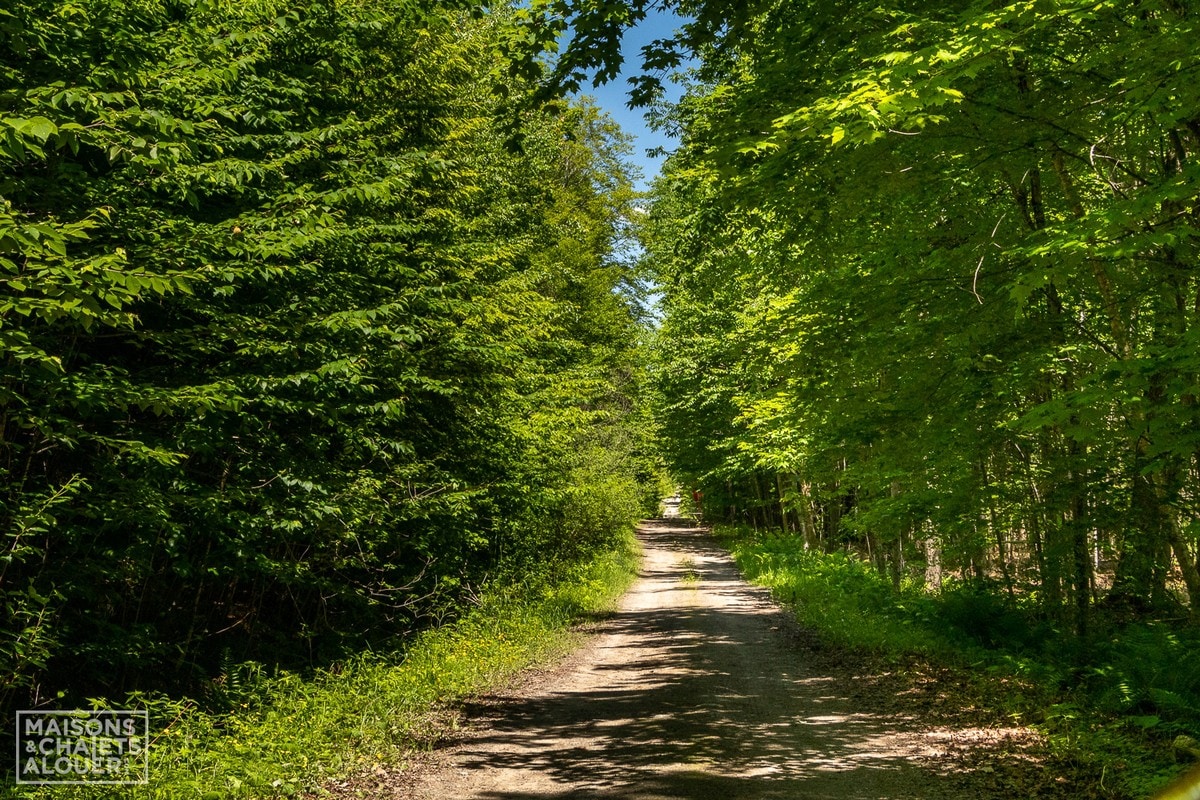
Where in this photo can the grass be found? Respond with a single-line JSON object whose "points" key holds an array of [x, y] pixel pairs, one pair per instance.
{"points": [[288, 735], [691, 575], [1118, 700]]}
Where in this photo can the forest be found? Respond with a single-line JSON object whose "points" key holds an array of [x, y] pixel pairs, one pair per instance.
{"points": [[930, 290], [322, 318], [930, 297], [293, 361]]}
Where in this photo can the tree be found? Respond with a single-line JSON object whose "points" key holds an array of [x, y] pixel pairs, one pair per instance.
{"points": [[296, 352], [945, 253]]}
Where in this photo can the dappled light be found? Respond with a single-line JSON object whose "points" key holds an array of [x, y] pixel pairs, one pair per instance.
{"points": [[341, 353], [698, 689]]}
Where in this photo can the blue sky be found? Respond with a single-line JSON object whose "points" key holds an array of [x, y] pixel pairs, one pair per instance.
{"points": [[613, 95]]}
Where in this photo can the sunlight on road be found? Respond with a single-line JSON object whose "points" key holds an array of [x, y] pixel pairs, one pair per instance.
{"points": [[696, 690]]}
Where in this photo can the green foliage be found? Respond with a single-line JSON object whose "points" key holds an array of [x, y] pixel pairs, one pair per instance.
{"points": [[1150, 673], [993, 621], [1117, 699], [837, 594], [280, 734], [928, 292], [297, 355]]}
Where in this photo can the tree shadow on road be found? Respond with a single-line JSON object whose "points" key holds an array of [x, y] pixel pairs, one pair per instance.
{"points": [[708, 699]]}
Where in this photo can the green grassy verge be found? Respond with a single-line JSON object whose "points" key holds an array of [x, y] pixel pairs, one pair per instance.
{"points": [[286, 735], [1118, 700]]}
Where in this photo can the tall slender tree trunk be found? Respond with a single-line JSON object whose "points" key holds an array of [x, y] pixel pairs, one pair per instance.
{"points": [[812, 538], [933, 563], [833, 519], [1140, 580], [1082, 577], [896, 562], [895, 554], [1002, 552], [759, 505], [783, 517], [1188, 566]]}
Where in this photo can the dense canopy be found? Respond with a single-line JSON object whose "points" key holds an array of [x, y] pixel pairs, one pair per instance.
{"points": [[296, 350], [319, 316], [928, 276]]}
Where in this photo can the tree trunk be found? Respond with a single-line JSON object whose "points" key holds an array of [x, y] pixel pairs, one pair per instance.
{"points": [[812, 539], [896, 562], [833, 520], [1188, 567], [1078, 526], [759, 506], [1138, 574], [783, 520], [997, 532], [933, 564]]}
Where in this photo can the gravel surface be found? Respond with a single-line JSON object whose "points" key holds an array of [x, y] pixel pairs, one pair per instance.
{"points": [[700, 687]]}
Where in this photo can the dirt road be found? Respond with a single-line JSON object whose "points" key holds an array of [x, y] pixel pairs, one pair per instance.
{"points": [[696, 688]]}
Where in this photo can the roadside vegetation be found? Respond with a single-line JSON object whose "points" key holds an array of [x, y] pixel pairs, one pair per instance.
{"points": [[321, 329], [1126, 699], [930, 297], [321, 383], [261, 732]]}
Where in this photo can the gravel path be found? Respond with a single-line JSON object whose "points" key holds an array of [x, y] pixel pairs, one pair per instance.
{"points": [[697, 688]]}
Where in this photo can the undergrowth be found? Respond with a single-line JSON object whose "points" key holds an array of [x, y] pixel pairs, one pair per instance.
{"points": [[283, 735], [1118, 699]]}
